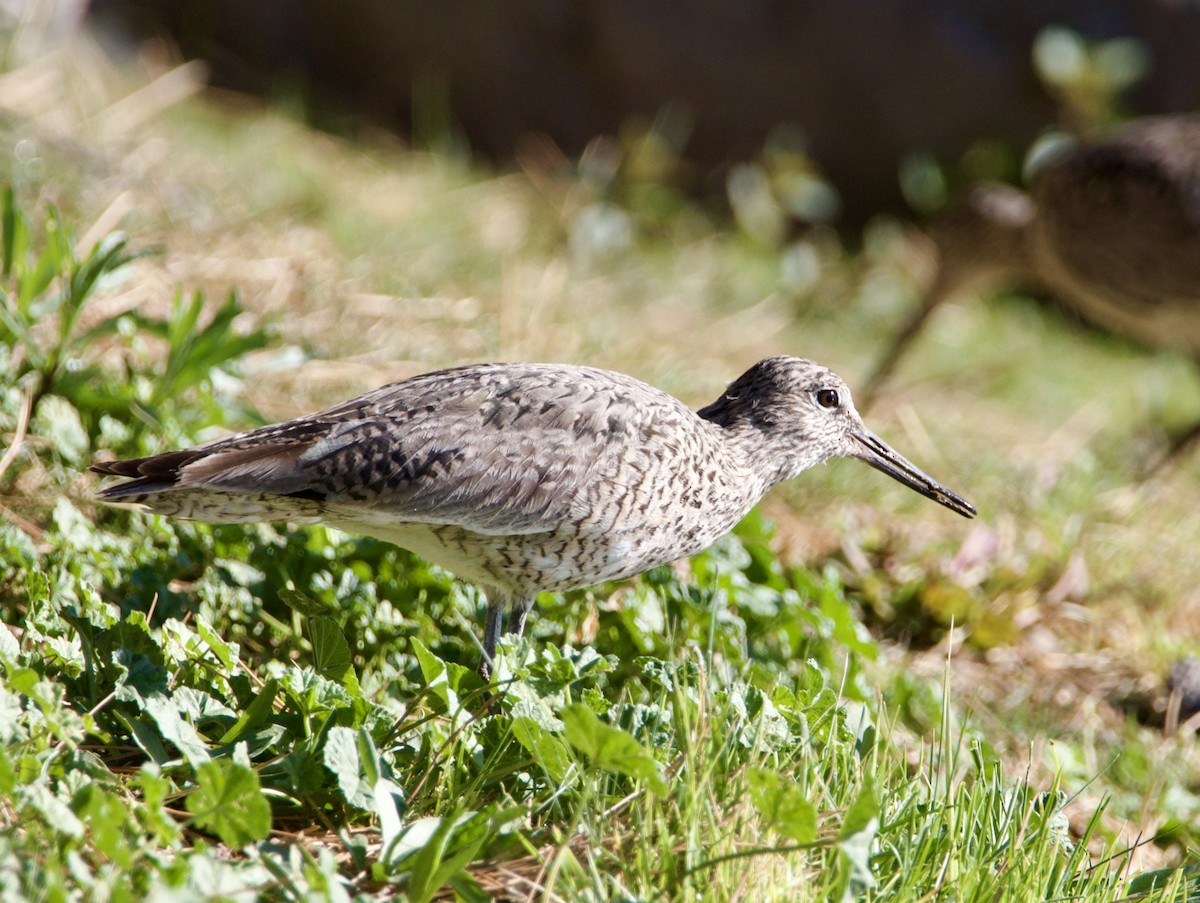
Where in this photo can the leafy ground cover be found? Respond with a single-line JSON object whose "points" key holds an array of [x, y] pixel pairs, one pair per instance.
{"points": [[852, 697]]}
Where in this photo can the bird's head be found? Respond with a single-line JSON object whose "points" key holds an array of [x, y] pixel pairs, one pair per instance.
{"points": [[791, 414]]}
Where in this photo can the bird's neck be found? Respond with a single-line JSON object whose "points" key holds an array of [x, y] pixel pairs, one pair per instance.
{"points": [[767, 457]]}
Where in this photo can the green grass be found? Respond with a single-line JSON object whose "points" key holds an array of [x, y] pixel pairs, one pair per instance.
{"points": [[852, 697]]}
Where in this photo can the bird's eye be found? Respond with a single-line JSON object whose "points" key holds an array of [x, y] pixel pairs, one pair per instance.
{"points": [[827, 398]]}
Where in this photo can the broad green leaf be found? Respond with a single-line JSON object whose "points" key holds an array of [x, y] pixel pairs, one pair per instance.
{"points": [[427, 873], [331, 652], [256, 713], [225, 651], [58, 815], [436, 674], [199, 707], [610, 748], [341, 757], [302, 603], [391, 824], [411, 837], [547, 749], [24, 680], [165, 712], [783, 805], [452, 849], [313, 693], [468, 890], [146, 738], [229, 802]]}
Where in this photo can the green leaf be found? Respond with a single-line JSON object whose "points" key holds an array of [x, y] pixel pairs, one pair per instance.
{"points": [[303, 603], [22, 332], [782, 804], [331, 652], [256, 713], [436, 850], [57, 814], [314, 694], [229, 802], [610, 748], [857, 836], [547, 750], [391, 824], [194, 352], [225, 651], [24, 680], [165, 712], [341, 757], [37, 279], [153, 815], [1159, 879], [468, 890], [436, 863], [145, 737], [863, 811], [439, 675], [8, 778]]}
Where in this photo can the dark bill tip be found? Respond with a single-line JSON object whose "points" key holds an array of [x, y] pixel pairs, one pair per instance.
{"points": [[883, 457]]}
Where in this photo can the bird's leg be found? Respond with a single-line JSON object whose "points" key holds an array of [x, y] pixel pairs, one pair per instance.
{"points": [[494, 625], [1184, 441], [518, 612], [491, 633], [1179, 446], [891, 357]]}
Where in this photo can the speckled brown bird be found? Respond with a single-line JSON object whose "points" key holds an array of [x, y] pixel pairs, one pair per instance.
{"points": [[1110, 227], [526, 478]]}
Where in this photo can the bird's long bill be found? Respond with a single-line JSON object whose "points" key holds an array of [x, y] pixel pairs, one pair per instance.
{"points": [[883, 457]]}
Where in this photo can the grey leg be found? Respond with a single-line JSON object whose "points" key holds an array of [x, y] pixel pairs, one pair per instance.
{"points": [[517, 615], [491, 633]]}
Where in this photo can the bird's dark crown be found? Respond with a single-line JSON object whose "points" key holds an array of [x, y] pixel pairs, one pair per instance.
{"points": [[763, 395]]}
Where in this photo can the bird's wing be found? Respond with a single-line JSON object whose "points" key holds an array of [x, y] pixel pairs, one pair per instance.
{"points": [[493, 449]]}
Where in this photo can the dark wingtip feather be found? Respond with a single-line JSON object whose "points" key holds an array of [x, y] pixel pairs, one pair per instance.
{"points": [[114, 468], [152, 474], [166, 465], [140, 487]]}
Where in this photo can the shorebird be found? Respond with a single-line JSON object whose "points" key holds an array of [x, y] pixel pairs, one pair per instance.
{"points": [[1110, 227], [526, 478]]}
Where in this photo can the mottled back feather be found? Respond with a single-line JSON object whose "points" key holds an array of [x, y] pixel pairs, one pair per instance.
{"points": [[492, 448]]}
